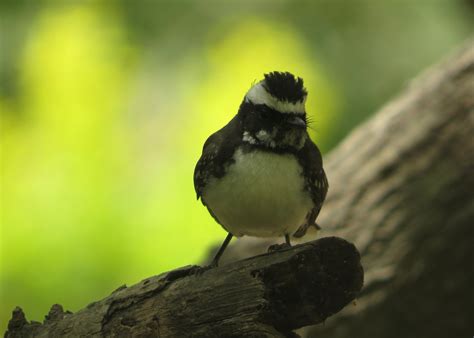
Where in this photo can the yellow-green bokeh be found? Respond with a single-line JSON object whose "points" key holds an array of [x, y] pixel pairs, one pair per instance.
{"points": [[105, 106], [62, 160], [96, 193]]}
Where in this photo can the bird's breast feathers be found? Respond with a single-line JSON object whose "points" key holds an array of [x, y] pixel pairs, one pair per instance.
{"points": [[262, 194]]}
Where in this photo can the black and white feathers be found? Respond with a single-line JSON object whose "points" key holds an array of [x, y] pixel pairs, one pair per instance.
{"points": [[261, 175]]}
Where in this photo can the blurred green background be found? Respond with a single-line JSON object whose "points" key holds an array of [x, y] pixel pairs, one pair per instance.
{"points": [[105, 105]]}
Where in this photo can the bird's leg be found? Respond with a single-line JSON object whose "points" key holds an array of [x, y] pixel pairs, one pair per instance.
{"points": [[198, 270], [219, 253], [276, 247]]}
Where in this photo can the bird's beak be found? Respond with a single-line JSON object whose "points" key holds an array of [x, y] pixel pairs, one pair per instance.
{"points": [[297, 121]]}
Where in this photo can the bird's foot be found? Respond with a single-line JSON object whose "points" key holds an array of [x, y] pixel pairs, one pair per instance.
{"points": [[278, 247], [199, 270]]}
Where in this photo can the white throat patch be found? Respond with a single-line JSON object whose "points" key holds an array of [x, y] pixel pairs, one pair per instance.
{"points": [[292, 138], [258, 95]]}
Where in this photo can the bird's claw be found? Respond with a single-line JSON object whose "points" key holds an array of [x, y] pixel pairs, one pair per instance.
{"points": [[199, 270], [278, 247]]}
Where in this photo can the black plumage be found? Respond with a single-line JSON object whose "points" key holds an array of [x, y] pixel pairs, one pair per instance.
{"points": [[285, 86], [243, 132]]}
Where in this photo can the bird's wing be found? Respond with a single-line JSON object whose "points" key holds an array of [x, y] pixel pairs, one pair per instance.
{"points": [[315, 182], [217, 152]]}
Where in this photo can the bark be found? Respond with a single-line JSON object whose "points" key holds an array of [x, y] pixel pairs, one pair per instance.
{"points": [[264, 296], [401, 188]]}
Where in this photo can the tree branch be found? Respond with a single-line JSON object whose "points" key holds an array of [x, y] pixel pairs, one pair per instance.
{"points": [[401, 189], [264, 296]]}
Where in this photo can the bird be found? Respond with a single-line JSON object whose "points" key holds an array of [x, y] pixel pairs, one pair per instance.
{"points": [[261, 175]]}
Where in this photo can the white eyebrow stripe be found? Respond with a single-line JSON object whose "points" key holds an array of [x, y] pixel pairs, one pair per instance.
{"points": [[258, 95]]}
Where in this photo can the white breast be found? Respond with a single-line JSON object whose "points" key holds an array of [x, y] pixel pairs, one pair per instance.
{"points": [[261, 195]]}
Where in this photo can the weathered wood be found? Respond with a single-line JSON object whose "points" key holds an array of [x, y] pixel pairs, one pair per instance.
{"points": [[401, 189], [265, 296]]}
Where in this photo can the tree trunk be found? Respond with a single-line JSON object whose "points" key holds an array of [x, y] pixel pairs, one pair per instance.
{"points": [[402, 190], [265, 296]]}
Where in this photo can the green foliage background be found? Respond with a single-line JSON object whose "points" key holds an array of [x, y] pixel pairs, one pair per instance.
{"points": [[105, 105]]}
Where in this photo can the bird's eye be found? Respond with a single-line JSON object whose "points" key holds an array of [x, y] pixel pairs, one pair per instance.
{"points": [[266, 114]]}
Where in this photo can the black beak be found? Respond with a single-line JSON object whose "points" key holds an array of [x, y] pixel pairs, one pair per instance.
{"points": [[297, 121]]}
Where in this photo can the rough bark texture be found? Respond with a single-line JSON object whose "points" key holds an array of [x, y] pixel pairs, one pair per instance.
{"points": [[402, 190], [265, 296]]}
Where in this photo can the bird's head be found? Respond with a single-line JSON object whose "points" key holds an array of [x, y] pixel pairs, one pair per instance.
{"points": [[273, 112]]}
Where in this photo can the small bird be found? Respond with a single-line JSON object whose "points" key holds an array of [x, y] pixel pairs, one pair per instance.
{"points": [[261, 175]]}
